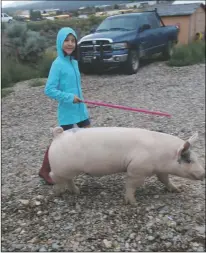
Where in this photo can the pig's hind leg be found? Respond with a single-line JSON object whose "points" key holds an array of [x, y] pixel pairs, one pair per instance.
{"points": [[164, 178], [133, 181]]}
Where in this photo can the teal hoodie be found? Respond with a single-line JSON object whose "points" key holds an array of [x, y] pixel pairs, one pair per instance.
{"points": [[64, 82]]}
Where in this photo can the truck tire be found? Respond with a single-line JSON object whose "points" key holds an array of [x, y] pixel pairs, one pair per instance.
{"points": [[132, 63], [168, 51], [85, 69]]}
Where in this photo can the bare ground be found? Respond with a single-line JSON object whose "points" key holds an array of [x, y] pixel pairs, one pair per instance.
{"points": [[33, 219]]}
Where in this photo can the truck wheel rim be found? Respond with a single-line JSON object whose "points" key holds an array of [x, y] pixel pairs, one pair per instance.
{"points": [[170, 51], [135, 62]]}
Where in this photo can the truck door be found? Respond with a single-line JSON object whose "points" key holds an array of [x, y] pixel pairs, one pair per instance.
{"points": [[146, 37], [158, 32]]}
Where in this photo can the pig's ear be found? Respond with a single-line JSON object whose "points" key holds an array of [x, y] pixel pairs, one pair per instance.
{"points": [[182, 149], [56, 131], [193, 138], [185, 147]]}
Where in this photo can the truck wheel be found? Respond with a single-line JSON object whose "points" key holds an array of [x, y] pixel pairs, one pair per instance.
{"points": [[132, 64], [85, 69], [168, 51]]}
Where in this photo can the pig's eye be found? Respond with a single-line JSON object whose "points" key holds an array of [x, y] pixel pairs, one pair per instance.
{"points": [[189, 161]]}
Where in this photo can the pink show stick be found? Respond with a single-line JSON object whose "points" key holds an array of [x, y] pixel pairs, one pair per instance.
{"points": [[126, 108]]}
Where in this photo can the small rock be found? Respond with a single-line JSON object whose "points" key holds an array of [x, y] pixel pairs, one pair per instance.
{"points": [[42, 249], [18, 246], [39, 197], [168, 244], [107, 244], [75, 246], [57, 218], [138, 238], [22, 232], [37, 203], [103, 193], [200, 249], [200, 229], [18, 230], [55, 246], [151, 238], [195, 244], [24, 201], [132, 236], [33, 240], [78, 207], [172, 224], [39, 213], [69, 227], [156, 196], [126, 245]]}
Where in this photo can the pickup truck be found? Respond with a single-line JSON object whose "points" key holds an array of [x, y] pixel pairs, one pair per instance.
{"points": [[122, 40], [6, 18]]}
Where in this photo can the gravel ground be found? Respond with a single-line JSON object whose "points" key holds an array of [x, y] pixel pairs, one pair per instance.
{"points": [[33, 219]]}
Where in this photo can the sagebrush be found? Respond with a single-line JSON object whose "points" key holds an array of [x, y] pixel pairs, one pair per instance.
{"points": [[190, 54], [26, 45]]}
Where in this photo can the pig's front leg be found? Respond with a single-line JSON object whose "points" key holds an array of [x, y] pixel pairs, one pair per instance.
{"points": [[62, 184], [164, 178], [59, 188], [131, 184], [72, 187]]}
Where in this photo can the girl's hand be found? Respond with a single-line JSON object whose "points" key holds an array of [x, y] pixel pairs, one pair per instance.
{"points": [[77, 100]]}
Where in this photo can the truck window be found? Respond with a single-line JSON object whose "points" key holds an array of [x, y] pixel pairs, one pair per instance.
{"points": [[142, 20], [153, 21], [127, 23]]}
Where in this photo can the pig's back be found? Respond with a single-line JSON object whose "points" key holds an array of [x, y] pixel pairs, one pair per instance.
{"points": [[93, 150]]}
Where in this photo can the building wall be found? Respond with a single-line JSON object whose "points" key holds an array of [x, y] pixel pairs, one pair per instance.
{"points": [[197, 23], [183, 21]]}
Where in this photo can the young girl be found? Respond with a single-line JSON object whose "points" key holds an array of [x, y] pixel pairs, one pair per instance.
{"points": [[64, 85]]}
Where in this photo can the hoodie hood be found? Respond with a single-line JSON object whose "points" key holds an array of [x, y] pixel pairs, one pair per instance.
{"points": [[61, 36]]}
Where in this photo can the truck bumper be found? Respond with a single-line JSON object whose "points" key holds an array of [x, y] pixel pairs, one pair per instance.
{"points": [[116, 58]]}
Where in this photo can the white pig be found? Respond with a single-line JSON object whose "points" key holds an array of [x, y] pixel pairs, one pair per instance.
{"points": [[139, 152]]}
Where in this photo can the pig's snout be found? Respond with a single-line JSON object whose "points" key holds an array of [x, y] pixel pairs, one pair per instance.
{"points": [[199, 175]]}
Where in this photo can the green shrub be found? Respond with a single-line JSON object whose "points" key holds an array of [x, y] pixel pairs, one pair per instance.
{"points": [[13, 72], [36, 82], [3, 26], [26, 45], [25, 56], [45, 64], [6, 92], [16, 31], [190, 54], [75, 23]]}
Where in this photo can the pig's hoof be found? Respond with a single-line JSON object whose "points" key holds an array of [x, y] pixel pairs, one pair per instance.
{"points": [[130, 200], [59, 190], [74, 190], [58, 193], [174, 188]]}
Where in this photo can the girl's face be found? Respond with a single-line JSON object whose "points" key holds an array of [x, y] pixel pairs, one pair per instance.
{"points": [[69, 44]]}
